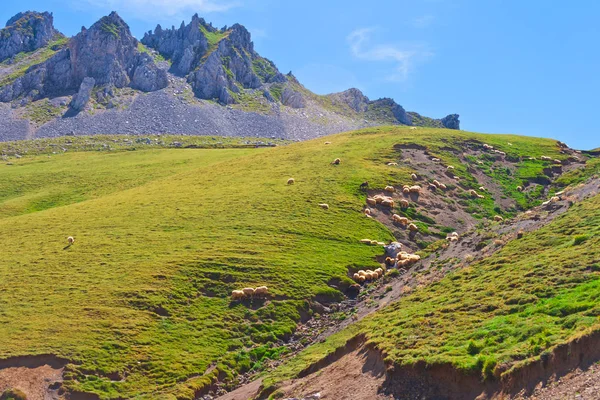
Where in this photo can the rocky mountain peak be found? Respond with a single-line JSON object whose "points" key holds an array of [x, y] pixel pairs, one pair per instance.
{"points": [[26, 32]]}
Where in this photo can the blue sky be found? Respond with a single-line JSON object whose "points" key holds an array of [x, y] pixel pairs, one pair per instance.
{"points": [[506, 66]]}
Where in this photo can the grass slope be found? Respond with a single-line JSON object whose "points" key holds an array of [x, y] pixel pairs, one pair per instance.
{"points": [[506, 310], [140, 304]]}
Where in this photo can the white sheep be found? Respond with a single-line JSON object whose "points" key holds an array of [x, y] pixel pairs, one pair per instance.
{"points": [[324, 206], [248, 292], [71, 240], [237, 295], [414, 177], [390, 189], [291, 181], [261, 291]]}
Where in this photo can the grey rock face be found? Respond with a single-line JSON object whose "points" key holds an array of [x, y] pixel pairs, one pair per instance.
{"points": [[147, 76], [184, 46], [293, 99], [226, 61], [83, 96], [354, 98], [106, 52], [451, 121], [397, 110], [26, 32]]}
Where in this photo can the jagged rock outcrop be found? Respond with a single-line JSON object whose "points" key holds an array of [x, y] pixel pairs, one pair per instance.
{"points": [[184, 46], [396, 109], [217, 62], [106, 52], [451, 121], [26, 32], [354, 98], [83, 95]]}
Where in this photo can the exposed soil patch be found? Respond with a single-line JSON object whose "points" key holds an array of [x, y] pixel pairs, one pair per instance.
{"points": [[356, 375], [39, 377], [577, 385]]}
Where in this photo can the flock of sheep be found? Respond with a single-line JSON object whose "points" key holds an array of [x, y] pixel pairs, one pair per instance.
{"points": [[250, 293]]}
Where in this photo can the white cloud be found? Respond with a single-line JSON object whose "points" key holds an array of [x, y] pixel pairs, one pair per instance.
{"points": [[423, 21], [404, 57], [164, 8]]}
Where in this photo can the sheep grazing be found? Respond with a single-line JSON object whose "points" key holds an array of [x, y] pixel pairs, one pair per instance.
{"points": [[379, 198], [371, 201], [237, 295], [364, 185], [545, 158], [389, 261], [390, 189], [414, 177], [436, 183], [520, 188], [498, 218], [432, 187], [261, 291], [327, 142], [362, 279], [488, 147], [453, 237], [435, 159], [480, 196], [392, 164], [404, 203], [482, 188], [415, 189], [554, 199], [406, 190], [388, 203], [337, 161], [413, 228], [412, 128], [70, 240], [399, 220], [291, 181], [324, 206], [520, 234], [367, 211], [248, 292], [449, 168], [356, 277], [442, 186], [557, 162]]}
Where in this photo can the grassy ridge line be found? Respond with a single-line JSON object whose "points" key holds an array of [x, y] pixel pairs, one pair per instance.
{"points": [[144, 291], [503, 311]]}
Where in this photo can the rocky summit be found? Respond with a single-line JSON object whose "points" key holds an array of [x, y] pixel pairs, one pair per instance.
{"points": [[195, 79]]}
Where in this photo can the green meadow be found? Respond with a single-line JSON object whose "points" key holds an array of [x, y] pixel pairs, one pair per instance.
{"points": [[140, 304]]}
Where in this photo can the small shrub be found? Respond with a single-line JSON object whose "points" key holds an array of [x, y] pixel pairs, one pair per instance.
{"points": [[579, 239], [394, 273], [13, 394], [473, 348]]}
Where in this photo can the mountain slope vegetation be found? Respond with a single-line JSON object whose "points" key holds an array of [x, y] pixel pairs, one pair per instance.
{"points": [[139, 306]]}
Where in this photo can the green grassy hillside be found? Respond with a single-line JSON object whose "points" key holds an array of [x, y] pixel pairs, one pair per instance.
{"points": [[140, 303], [500, 313]]}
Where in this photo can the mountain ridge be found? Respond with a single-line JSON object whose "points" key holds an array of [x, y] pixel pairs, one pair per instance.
{"points": [[91, 83]]}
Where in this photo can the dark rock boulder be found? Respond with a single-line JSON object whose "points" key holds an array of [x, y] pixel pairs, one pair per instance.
{"points": [[451, 121], [396, 110], [292, 98], [26, 32], [83, 96]]}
